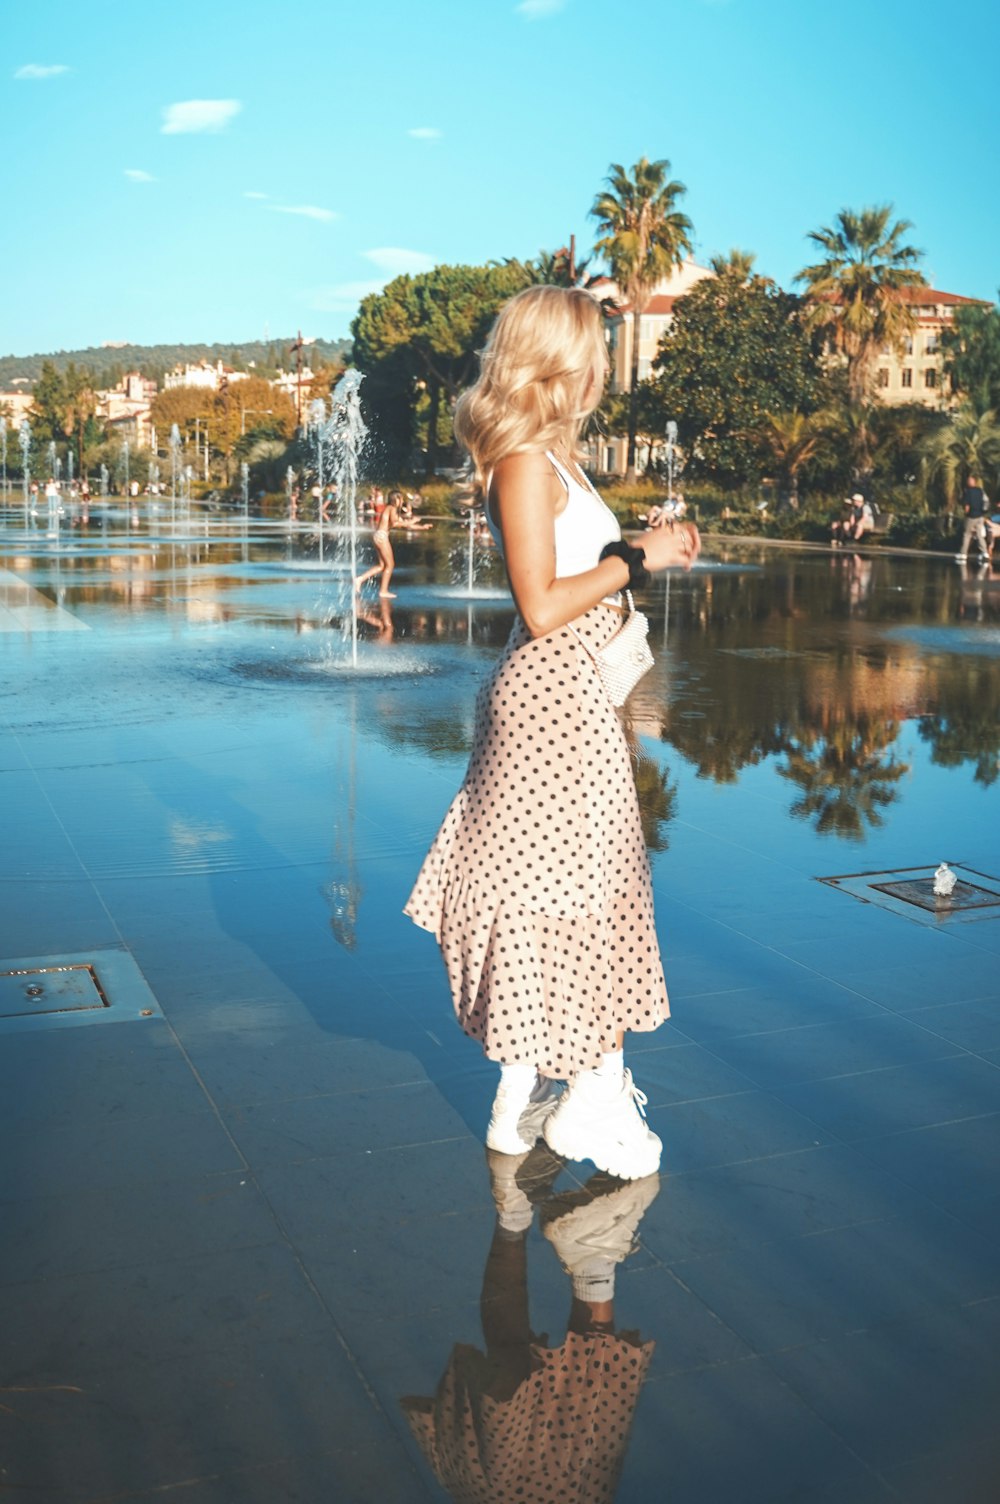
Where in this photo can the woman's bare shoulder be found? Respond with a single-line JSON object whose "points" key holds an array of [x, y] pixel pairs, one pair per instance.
{"points": [[528, 468]]}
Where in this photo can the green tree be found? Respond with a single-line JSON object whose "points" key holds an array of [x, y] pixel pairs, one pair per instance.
{"points": [[972, 354], [48, 405], [79, 409], [857, 293], [642, 236], [792, 439], [190, 407], [735, 352], [421, 335], [250, 408], [968, 444]]}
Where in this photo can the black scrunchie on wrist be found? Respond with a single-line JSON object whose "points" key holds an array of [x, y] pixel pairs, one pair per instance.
{"points": [[635, 558]]}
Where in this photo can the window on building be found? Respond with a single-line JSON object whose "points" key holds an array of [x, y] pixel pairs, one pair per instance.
{"points": [[883, 376], [907, 376], [930, 378], [908, 344], [932, 347]]}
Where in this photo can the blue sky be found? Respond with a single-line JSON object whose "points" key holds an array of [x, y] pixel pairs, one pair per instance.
{"points": [[215, 171]]}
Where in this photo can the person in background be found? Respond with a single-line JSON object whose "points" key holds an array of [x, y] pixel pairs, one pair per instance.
{"points": [[858, 520], [976, 508], [386, 517]]}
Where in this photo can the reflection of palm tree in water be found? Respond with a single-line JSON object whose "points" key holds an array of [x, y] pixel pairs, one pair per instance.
{"points": [[845, 781], [964, 725], [525, 1420], [657, 795]]}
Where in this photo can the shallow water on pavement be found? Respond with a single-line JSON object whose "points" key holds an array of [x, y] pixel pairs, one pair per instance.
{"points": [[194, 769]]}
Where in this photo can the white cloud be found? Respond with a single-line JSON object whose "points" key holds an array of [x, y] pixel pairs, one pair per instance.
{"points": [[343, 297], [392, 261], [41, 70], [138, 176], [425, 133], [308, 211], [251, 193], [534, 10], [395, 261], [191, 115]]}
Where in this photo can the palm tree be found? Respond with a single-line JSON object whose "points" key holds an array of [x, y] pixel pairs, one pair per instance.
{"points": [[738, 264], [969, 444], [561, 268], [858, 291], [642, 236], [793, 439]]}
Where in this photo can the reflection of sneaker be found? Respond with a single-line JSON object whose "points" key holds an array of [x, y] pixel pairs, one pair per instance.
{"points": [[596, 1227], [514, 1128], [605, 1123], [519, 1181]]}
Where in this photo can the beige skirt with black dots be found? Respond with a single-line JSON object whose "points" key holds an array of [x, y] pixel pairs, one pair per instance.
{"points": [[537, 885]]}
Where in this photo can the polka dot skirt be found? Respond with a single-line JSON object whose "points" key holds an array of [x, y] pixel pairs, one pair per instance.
{"points": [[537, 885], [561, 1435]]}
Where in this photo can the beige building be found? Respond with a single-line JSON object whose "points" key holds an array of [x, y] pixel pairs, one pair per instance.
{"points": [[917, 373], [125, 409], [15, 405], [609, 453], [203, 374], [914, 375]]}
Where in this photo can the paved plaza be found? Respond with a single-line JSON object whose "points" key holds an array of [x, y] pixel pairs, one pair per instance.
{"points": [[246, 1210]]}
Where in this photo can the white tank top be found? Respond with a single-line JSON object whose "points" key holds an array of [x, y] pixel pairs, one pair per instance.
{"points": [[582, 528]]}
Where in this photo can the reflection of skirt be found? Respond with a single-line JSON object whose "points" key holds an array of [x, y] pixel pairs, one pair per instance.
{"points": [[561, 1435], [537, 886]]}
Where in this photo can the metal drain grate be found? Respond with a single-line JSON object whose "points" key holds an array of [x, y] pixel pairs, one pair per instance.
{"points": [[920, 890], [55, 991], [910, 891], [49, 989]]}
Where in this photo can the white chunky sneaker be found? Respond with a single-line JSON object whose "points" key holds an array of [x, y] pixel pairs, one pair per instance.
{"points": [[598, 1223], [605, 1123], [519, 1181], [515, 1128]]}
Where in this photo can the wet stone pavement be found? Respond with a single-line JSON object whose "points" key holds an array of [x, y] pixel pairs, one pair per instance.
{"points": [[249, 1244]]}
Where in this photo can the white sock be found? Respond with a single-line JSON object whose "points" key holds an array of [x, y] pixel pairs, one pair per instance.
{"points": [[518, 1080], [595, 1280], [612, 1066]]}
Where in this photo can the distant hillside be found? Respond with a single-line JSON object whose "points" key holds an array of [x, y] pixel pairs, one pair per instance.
{"points": [[109, 365]]}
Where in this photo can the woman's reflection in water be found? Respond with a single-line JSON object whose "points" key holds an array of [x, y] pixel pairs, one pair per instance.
{"points": [[527, 1421]]}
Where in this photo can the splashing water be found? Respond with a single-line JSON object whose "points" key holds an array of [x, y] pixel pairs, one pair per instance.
{"points": [[345, 434], [175, 454], [24, 439]]}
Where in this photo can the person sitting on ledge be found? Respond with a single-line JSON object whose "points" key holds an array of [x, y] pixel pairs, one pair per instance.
{"points": [[859, 520]]}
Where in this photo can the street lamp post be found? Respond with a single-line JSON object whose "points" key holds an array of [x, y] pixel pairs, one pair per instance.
{"points": [[198, 421]]}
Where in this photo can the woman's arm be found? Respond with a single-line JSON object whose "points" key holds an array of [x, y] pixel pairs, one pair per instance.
{"points": [[525, 498]]}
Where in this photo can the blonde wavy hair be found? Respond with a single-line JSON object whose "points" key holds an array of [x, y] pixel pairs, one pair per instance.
{"points": [[534, 370]]}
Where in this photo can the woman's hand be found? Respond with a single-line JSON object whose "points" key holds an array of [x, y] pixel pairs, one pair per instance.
{"points": [[669, 546]]}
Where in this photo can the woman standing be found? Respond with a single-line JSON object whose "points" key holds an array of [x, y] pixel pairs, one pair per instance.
{"points": [[385, 518], [537, 886]]}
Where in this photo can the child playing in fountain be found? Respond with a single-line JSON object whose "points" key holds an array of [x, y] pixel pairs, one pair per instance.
{"points": [[387, 518]]}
